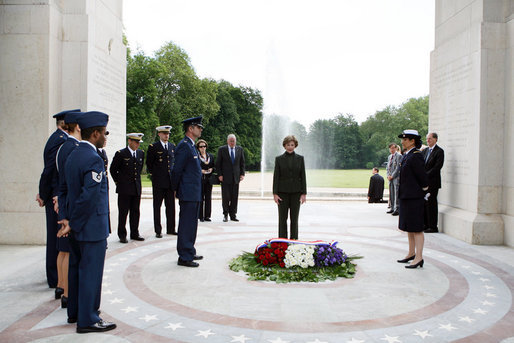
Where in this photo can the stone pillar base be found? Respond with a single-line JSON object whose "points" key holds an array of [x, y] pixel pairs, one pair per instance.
{"points": [[473, 228]]}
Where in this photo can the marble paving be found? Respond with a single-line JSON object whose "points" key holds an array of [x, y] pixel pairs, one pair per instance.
{"points": [[463, 294]]}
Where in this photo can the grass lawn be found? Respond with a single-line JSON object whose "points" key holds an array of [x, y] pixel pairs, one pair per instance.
{"points": [[336, 178], [330, 178]]}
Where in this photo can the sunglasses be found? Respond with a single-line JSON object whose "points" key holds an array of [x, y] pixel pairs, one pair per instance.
{"points": [[202, 146]]}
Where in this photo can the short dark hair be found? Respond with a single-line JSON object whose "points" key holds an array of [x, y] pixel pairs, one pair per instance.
{"points": [[376, 168], [392, 144], [433, 135], [290, 138], [86, 133]]}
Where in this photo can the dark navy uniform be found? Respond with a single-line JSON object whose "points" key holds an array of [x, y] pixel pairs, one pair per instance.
{"points": [[413, 179], [187, 181], [62, 155], [48, 188], [87, 209], [103, 155], [159, 163], [126, 173]]}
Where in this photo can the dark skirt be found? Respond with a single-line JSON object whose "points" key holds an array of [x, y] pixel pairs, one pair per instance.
{"points": [[63, 244], [411, 215]]}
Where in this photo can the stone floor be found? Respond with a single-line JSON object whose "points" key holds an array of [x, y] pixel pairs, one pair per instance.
{"points": [[463, 294]]}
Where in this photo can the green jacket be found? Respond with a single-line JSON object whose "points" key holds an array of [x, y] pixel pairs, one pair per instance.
{"points": [[289, 174]]}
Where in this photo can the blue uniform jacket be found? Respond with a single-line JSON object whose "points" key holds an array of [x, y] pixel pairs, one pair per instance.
{"points": [[413, 177], [49, 181], [87, 202], [186, 177], [62, 155]]}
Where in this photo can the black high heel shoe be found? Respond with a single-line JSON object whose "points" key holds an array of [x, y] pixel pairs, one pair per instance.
{"points": [[64, 302], [414, 266], [58, 292], [405, 260]]}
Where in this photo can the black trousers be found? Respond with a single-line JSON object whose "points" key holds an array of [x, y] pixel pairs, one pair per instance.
{"points": [[206, 203], [166, 194], [51, 244], [229, 196], [128, 204], [431, 210], [290, 204]]}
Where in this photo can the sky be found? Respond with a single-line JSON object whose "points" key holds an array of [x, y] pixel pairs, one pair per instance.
{"points": [[311, 59]]}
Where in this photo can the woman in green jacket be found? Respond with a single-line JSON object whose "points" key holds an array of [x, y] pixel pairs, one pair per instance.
{"points": [[289, 186]]}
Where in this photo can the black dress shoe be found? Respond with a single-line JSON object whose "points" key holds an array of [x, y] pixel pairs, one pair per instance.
{"points": [[234, 219], [197, 257], [72, 320], [138, 238], [207, 219], [187, 263], [174, 233], [58, 292], [202, 220], [101, 326], [64, 302], [123, 240], [390, 211], [158, 235], [431, 231], [405, 260], [395, 213], [225, 218], [414, 266]]}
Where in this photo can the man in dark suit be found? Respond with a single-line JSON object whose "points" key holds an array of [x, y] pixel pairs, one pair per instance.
{"points": [[230, 165], [125, 170], [434, 160], [47, 196], [376, 187], [159, 162], [87, 224], [187, 182]]}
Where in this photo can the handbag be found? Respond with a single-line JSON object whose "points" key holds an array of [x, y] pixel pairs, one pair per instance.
{"points": [[213, 179]]}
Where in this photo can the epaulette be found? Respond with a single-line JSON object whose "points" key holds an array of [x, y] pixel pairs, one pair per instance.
{"points": [[417, 152], [119, 151], [151, 145]]}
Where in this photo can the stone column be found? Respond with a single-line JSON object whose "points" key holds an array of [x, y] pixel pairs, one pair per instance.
{"points": [[471, 102], [54, 55]]}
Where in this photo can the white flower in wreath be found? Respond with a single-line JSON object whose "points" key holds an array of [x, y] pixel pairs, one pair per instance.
{"points": [[299, 255]]}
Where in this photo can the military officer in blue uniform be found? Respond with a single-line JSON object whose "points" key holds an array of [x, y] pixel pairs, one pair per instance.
{"points": [[47, 197], [187, 182], [63, 244], [159, 162], [87, 211], [125, 170]]}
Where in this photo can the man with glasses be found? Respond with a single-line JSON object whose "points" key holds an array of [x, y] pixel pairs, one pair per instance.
{"points": [[159, 162], [87, 224]]}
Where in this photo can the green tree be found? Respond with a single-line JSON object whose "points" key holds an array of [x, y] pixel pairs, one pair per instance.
{"points": [[347, 142], [142, 72]]}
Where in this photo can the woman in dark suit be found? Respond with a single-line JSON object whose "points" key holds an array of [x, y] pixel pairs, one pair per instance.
{"points": [[207, 164], [289, 186], [412, 189]]}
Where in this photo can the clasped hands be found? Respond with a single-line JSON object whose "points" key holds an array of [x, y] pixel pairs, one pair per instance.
{"points": [[278, 199], [65, 228]]}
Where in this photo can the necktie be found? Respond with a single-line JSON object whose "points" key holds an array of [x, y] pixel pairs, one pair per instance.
{"points": [[134, 155], [166, 147], [428, 154], [232, 156]]}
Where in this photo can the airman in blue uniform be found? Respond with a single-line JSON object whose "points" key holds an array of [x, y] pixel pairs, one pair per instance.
{"points": [[186, 180], [87, 209], [47, 196]]}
